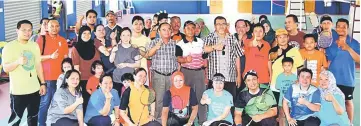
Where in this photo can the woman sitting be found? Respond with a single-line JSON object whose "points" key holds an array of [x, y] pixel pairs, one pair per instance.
{"points": [[101, 104], [66, 108], [180, 104], [332, 110]]}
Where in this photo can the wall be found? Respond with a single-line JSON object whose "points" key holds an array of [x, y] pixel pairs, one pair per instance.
{"points": [[173, 6], [2, 20]]}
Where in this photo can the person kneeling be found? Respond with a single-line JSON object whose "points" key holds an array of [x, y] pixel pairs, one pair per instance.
{"points": [[180, 105], [219, 103], [255, 105], [101, 104]]}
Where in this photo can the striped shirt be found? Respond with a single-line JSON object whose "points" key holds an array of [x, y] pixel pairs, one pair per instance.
{"points": [[164, 60], [225, 64], [194, 49]]}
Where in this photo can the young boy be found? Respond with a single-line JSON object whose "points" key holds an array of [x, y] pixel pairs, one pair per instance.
{"points": [[314, 60], [283, 82], [97, 70]]}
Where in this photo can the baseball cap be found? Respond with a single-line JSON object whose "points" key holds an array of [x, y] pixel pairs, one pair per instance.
{"points": [[281, 32], [110, 12], [188, 22], [325, 17]]}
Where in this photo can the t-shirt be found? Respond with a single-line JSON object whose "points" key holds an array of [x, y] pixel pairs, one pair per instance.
{"points": [[124, 55], [51, 67], [109, 31], [194, 49], [283, 82], [296, 40], [141, 41], [104, 58], [342, 65], [314, 62], [257, 59], [218, 103], [328, 115], [255, 104], [298, 111], [92, 84], [131, 100], [23, 79], [62, 99], [97, 102], [277, 63], [176, 103], [84, 65]]}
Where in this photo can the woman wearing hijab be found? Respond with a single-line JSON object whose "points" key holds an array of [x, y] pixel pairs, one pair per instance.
{"points": [[83, 56], [180, 105], [204, 28], [270, 33], [332, 110]]}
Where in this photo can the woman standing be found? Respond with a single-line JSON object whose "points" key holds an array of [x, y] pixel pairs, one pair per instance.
{"points": [[123, 56], [270, 33], [332, 110], [66, 107], [83, 56], [104, 46]]}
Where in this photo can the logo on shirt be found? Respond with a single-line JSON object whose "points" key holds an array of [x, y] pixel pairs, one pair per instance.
{"points": [[30, 60]]}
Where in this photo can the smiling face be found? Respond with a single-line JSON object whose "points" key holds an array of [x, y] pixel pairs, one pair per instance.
{"points": [[178, 81], [258, 33], [252, 82], [218, 86], [138, 26], [304, 79], [107, 84], [25, 32], [241, 28], [165, 31], [73, 80], [341, 29], [85, 36], [175, 24], [66, 67], [91, 19], [100, 31], [282, 40], [221, 26], [141, 77], [189, 30], [125, 37], [324, 82], [53, 27]]}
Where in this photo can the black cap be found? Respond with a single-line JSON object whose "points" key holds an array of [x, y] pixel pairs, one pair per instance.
{"points": [[324, 18], [188, 22]]}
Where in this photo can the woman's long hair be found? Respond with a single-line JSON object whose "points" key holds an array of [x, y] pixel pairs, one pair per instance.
{"points": [[67, 75]]}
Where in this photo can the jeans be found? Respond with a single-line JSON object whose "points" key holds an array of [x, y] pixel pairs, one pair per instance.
{"points": [[45, 101], [100, 121]]}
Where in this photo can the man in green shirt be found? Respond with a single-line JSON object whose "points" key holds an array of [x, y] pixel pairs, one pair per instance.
{"points": [[21, 60]]}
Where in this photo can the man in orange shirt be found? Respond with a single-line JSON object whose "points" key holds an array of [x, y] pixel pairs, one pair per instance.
{"points": [[175, 22], [53, 49], [256, 52], [314, 60]]}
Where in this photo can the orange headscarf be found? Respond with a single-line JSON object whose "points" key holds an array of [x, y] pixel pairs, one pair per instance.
{"points": [[183, 93]]}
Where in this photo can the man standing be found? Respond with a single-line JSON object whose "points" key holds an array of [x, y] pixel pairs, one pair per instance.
{"points": [[53, 50], [189, 54], [112, 26], [342, 55], [21, 59], [325, 34], [91, 20], [175, 21], [295, 36], [164, 64]]}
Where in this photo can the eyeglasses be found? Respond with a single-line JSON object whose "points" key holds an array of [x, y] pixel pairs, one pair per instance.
{"points": [[221, 24]]}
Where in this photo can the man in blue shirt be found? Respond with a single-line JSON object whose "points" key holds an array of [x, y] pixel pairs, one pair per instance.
{"points": [[304, 100], [101, 104], [342, 55]]}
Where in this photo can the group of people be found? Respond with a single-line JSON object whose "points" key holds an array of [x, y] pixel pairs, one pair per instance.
{"points": [[254, 77]]}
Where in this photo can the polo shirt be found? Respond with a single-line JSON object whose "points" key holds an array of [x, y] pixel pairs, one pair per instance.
{"points": [[257, 59], [51, 67], [23, 79], [97, 102], [131, 100], [342, 65], [194, 49], [177, 37], [277, 63]]}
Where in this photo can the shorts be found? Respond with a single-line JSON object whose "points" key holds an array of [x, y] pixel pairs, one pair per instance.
{"points": [[347, 91]]}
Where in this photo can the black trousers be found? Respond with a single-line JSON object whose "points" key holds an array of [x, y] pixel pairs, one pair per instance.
{"points": [[19, 103], [65, 122], [310, 121], [85, 94]]}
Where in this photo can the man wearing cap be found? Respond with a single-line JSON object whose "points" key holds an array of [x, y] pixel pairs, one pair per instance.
{"points": [[112, 26], [325, 34], [164, 63], [276, 54], [343, 54], [189, 52], [255, 105], [175, 21], [162, 18], [219, 102], [295, 36]]}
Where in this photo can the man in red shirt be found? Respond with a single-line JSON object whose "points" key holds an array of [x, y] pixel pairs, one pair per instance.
{"points": [[256, 52], [53, 49]]}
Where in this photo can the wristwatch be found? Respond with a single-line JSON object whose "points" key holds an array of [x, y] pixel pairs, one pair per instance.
{"points": [[41, 84]]}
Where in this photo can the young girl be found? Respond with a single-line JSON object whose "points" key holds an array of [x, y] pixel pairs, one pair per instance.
{"points": [[66, 65], [97, 69]]}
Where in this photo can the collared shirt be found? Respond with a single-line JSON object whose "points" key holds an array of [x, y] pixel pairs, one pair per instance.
{"points": [[164, 60], [177, 37], [216, 60], [109, 30], [194, 49]]}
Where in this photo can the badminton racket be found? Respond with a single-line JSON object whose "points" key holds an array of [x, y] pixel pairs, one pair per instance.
{"points": [[147, 97]]}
